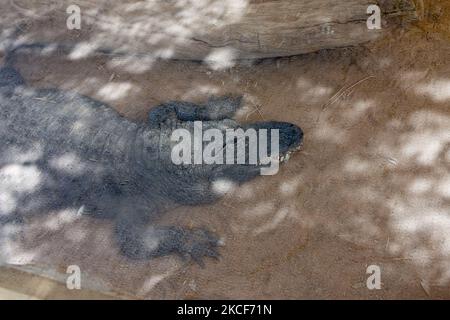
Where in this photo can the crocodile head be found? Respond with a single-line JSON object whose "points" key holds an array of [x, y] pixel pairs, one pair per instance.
{"points": [[205, 155]]}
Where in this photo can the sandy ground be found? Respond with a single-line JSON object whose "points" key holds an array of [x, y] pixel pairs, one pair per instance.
{"points": [[370, 187]]}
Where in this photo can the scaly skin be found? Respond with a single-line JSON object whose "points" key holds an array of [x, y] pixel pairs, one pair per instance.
{"points": [[82, 154]]}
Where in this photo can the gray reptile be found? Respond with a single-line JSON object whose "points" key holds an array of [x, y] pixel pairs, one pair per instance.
{"points": [[82, 154]]}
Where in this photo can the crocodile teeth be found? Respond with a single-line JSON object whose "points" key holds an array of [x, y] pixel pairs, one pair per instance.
{"points": [[287, 155]]}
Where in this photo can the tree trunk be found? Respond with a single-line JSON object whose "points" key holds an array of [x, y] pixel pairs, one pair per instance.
{"points": [[204, 29]]}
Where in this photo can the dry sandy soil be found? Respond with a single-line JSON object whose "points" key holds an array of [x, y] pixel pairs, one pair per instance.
{"points": [[370, 187]]}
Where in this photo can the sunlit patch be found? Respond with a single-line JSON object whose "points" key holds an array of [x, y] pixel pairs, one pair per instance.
{"points": [[85, 85], [16, 180], [82, 50], [420, 185], [151, 239], [251, 106], [205, 90], [290, 187], [421, 228], [79, 127], [357, 165], [434, 222], [244, 112], [359, 108], [313, 92], [443, 187], [75, 234], [223, 186], [329, 133], [136, 64], [10, 250], [367, 192], [438, 90], [115, 91], [57, 220], [411, 77], [316, 93], [12, 253], [384, 62], [220, 59], [303, 83], [260, 209], [365, 225], [19, 178], [8, 203], [151, 282], [244, 192], [427, 141], [49, 49], [15, 154], [279, 217], [68, 163], [166, 53], [394, 248]]}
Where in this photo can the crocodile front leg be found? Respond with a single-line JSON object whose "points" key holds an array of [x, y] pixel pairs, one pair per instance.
{"points": [[214, 109]]}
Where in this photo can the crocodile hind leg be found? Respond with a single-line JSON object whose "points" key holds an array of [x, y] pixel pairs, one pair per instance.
{"points": [[139, 238]]}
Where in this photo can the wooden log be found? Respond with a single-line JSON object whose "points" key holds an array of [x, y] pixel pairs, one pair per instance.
{"points": [[205, 29]]}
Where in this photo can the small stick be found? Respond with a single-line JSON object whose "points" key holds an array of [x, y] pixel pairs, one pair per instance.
{"points": [[343, 91]]}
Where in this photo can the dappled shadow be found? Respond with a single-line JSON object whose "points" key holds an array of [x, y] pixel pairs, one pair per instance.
{"points": [[134, 34], [371, 185], [67, 158], [137, 34]]}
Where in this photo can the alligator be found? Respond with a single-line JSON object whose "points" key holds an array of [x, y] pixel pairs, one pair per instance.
{"points": [[60, 149]]}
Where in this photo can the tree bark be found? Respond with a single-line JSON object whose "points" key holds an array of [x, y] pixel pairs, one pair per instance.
{"points": [[209, 29]]}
